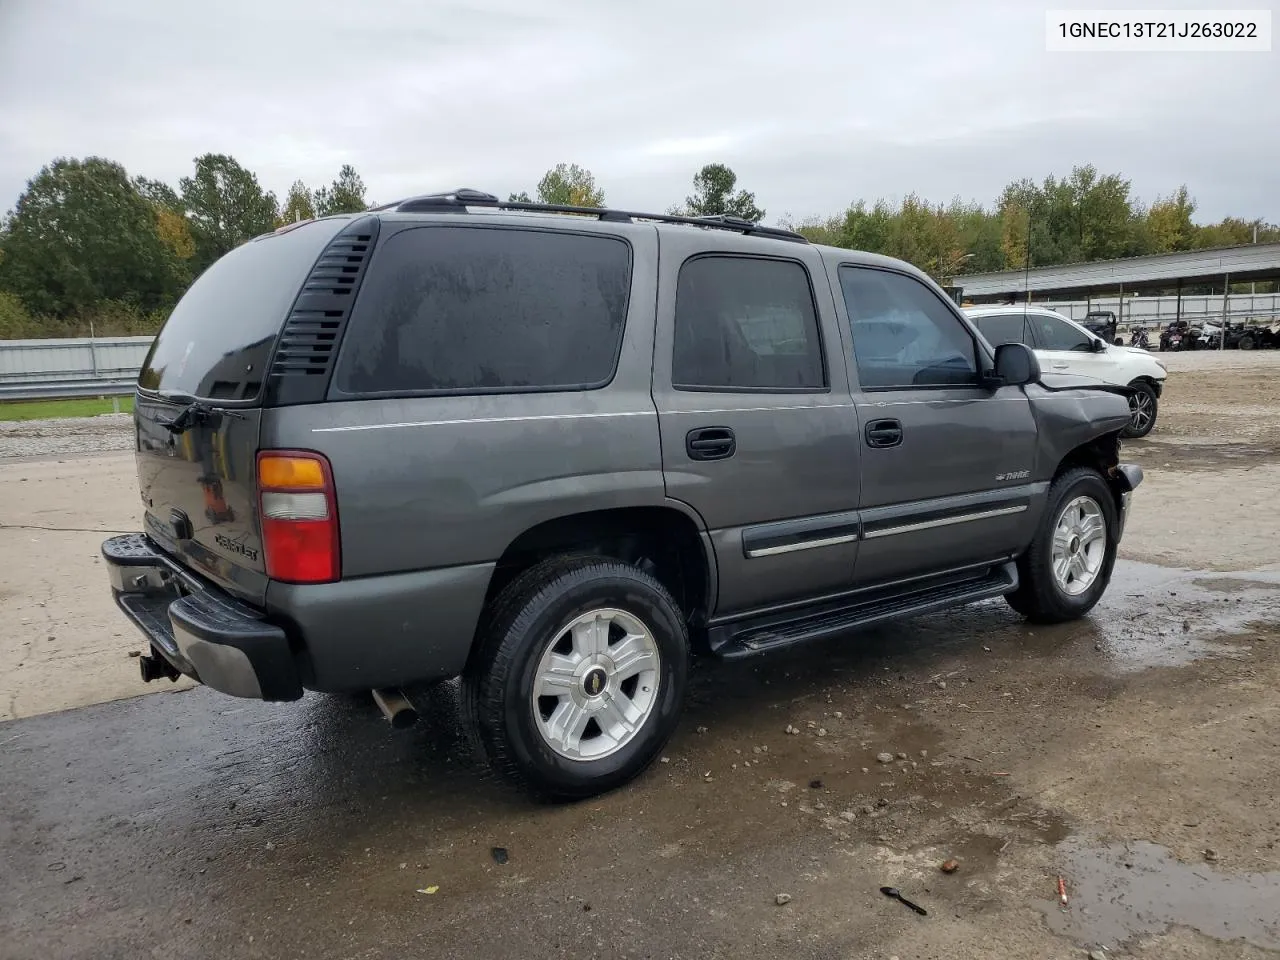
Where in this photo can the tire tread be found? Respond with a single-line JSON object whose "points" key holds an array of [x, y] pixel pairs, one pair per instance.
{"points": [[499, 644], [1037, 598]]}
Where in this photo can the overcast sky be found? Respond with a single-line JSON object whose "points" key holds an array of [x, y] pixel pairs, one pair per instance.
{"points": [[814, 103]]}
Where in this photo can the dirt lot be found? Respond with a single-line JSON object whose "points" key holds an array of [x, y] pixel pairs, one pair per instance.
{"points": [[1134, 754]]}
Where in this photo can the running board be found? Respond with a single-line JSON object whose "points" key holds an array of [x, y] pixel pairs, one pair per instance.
{"points": [[777, 631]]}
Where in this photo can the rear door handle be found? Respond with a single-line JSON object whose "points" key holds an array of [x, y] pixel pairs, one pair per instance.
{"points": [[710, 443], [883, 433], [1060, 365]]}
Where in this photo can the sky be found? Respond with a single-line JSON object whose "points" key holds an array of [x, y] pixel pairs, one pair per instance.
{"points": [[813, 103]]}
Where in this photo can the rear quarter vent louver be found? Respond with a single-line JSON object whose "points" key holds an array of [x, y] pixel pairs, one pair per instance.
{"points": [[308, 344]]}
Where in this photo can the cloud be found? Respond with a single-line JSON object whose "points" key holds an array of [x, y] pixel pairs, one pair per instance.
{"points": [[813, 103]]}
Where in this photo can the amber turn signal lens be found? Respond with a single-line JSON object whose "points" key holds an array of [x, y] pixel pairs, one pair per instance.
{"points": [[290, 473]]}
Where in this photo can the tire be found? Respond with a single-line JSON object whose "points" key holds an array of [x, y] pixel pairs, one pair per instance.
{"points": [[1041, 596], [1246, 342], [1144, 406], [527, 635]]}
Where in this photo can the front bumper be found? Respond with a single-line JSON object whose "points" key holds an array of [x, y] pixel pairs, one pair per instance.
{"points": [[200, 629], [1125, 477]]}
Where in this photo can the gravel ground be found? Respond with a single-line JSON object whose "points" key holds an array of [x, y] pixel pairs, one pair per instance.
{"points": [[49, 438]]}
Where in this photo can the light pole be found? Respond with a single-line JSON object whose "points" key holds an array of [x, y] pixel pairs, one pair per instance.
{"points": [[947, 273]]}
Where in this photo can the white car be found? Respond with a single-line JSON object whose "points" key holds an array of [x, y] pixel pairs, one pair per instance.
{"points": [[1064, 346]]}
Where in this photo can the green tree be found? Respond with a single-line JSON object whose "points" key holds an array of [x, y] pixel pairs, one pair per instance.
{"points": [[173, 229], [823, 230], [521, 197], [344, 195], [1232, 232], [868, 230], [158, 193], [713, 195], [567, 184], [298, 204], [979, 237], [226, 206], [1168, 225], [81, 233]]}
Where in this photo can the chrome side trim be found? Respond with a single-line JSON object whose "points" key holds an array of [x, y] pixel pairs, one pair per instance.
{"points": [[802, 545], [945, 521], [467, 421]]}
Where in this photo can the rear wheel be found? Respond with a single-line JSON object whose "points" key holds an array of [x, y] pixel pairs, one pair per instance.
{"points": [[1066, 569], [1143, 406], [1246, 342], [580, 677]]}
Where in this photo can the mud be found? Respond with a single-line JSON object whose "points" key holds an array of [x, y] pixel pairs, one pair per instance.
{"points": [[196, 825]]}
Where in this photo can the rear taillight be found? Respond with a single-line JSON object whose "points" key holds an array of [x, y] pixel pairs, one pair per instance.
{"points": [[299, 516]]}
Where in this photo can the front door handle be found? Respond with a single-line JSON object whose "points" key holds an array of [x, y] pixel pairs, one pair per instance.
{"points": [[883, 433], [710, 443], [1060, 365]]}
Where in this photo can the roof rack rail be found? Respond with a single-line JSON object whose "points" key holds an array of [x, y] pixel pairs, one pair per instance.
{"points": [[457, 201]]}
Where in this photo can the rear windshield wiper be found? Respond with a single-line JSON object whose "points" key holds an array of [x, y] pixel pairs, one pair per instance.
{"points": [[194, 413]]}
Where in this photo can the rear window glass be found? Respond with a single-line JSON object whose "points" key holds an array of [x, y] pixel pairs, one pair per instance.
{"points": [[1001, 328], [218, 339], [487, 310]]}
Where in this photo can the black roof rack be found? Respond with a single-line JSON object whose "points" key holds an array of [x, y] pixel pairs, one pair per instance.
{"points": [[457, 201]]}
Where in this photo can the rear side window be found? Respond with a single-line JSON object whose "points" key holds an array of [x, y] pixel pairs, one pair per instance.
{"points": [[745, 323], [485, 310], [218, 339], [1004, 328]]}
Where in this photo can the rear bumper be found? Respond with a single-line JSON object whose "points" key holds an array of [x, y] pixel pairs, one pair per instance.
{"points": [[201, 630], [357, 634]]}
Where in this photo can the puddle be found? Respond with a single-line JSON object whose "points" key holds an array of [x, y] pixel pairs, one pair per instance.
{"points": [[1120, 892], [1154, 616]]}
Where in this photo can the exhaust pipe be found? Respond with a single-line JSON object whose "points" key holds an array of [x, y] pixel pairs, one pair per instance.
{"points": [[395, 706]]}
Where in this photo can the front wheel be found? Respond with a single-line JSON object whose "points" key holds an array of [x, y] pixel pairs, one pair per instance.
{"points": [[1143, 407], [580, 677], [1246, 342], [1065, 571]]}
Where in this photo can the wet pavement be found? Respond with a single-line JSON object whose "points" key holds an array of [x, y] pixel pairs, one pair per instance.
{"points": [[1125, 890], [195, 825]]}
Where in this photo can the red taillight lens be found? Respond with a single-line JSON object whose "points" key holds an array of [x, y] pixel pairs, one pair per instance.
{"points": [[299, 517]]}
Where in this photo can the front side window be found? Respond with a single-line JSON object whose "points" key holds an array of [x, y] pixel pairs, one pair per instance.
{"points": [[485, 310], [904, 336], [1054, 334], [746, 323]]}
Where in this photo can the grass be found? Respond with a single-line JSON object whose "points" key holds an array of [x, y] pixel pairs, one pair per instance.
{"points": [[56, 409]]}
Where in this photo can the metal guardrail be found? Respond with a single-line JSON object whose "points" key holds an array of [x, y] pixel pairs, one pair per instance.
{"points": [[71, 367], [62, 389]]}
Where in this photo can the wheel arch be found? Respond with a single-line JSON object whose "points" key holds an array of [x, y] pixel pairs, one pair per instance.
{"points": [[1102, 454], [668, 541]]}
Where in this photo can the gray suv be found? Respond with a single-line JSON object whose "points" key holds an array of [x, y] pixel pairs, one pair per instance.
{"points": [[556, 451]]}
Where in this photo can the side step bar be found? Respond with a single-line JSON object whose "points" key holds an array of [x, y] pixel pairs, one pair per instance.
{"points": [[777, 631]]}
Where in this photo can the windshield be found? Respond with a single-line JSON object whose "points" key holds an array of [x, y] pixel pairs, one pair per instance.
{"points": [[216, 343]]}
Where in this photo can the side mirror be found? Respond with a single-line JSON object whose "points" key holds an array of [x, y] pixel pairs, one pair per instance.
{"points": [[1016, 365], [1099, 346]]}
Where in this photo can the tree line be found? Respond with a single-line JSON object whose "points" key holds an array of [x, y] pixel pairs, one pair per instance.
{"points": [[87, 248]]}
